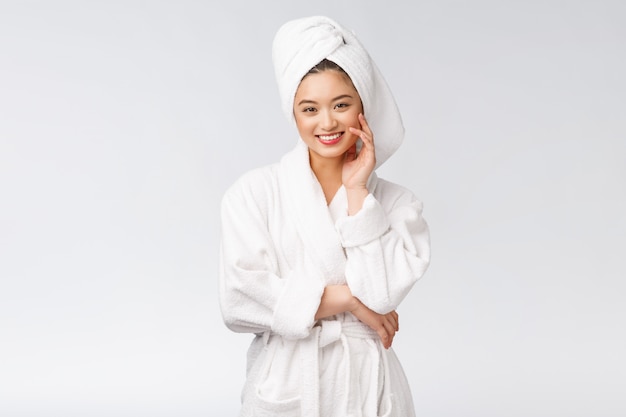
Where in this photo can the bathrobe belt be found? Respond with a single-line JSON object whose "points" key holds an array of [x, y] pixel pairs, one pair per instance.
{"points": [[323, 334]]}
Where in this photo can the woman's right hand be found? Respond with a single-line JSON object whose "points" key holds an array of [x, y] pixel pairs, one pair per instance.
{"points": [[386, 325]]}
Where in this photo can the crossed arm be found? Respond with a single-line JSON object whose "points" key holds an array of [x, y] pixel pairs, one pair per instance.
{"points": [[338, 299]]}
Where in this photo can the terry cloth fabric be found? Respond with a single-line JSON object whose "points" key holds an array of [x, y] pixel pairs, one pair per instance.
{"points": [[281, 246], [301, 44]]}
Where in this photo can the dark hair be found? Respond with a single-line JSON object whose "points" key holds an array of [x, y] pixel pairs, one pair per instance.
{"points": [[328, 65], [325, 65]]}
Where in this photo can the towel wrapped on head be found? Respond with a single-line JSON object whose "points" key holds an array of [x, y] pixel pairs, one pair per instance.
{"points": [[301, 44]]}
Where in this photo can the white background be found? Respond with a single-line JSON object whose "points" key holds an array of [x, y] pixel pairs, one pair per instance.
{"points": [[123, 122]]}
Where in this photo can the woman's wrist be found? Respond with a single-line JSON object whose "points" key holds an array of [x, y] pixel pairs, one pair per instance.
{"points": [[353, 303], [336, 299], [356, 197]]}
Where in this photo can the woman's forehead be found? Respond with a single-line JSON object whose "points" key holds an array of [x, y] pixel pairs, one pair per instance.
{"points": [[326, 83]]}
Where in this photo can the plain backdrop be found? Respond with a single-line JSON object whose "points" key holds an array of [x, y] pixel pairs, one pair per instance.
{"points": [[123, 122]]}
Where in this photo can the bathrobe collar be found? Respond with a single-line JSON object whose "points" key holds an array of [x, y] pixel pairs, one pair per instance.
{"points": [[310, 213]]}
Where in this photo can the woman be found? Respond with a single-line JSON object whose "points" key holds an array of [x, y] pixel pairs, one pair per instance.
{"points": [[317, 252]]}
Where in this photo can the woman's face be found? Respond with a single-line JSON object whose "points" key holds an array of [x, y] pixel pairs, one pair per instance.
{"points": [[325, 105]]}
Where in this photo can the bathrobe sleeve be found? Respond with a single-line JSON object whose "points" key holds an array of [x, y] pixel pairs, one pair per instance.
{"points": [[254, 296], [387, 246]]}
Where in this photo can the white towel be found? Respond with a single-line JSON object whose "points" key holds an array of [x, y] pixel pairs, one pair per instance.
{"points": [[301, 44]]}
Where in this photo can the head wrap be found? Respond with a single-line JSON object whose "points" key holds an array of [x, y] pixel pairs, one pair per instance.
{"points": [[301, 44]]}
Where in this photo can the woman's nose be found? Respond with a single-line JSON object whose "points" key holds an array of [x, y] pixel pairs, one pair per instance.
{"points": [[328, 122]]}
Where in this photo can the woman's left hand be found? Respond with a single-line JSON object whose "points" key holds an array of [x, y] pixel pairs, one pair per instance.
{"points": [[358, 168], [385, 325]]}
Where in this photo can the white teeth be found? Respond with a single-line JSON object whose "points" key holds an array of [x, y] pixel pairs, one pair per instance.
{"points": [[332, 137]]}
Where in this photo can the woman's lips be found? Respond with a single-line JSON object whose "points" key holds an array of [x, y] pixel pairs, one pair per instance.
{"points": [[330, 139]]}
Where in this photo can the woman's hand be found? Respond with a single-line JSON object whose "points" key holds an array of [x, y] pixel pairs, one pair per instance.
{"points": [[357, 168], [386, 325]]}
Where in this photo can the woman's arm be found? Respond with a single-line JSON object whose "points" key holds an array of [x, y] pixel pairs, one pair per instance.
{"points": [[253, 296], [357, 168], [387, 248], [338, 299]]}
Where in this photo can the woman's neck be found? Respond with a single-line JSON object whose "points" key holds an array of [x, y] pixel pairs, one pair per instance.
{"points": [[328, 173]]}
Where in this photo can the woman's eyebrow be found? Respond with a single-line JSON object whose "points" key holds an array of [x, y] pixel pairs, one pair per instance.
{"points": [[305, 101]]}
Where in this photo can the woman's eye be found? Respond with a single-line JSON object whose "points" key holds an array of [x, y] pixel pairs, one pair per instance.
{"points": [[341, 105], [308, 109]]}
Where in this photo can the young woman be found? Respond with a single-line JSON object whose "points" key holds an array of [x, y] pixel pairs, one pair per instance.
{"points": [[317, 251]]}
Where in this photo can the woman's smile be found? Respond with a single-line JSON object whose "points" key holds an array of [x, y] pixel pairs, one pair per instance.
{"points": [[326, 105], [330, 139]]}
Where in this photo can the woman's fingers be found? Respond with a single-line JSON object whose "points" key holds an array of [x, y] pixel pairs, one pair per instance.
{"points": [[351, 153], [385, 325], [365, 127], [391, 325], [390, 328], [385, 337], [367, 141], [357, 168], [365, 133], [396, 319]]}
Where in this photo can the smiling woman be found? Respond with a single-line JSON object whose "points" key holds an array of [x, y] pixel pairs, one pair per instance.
{"points": [[327, 112], [325, 101], [317, 251]]}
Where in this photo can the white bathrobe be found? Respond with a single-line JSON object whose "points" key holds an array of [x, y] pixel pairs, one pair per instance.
{"points": [[281, 245]]}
